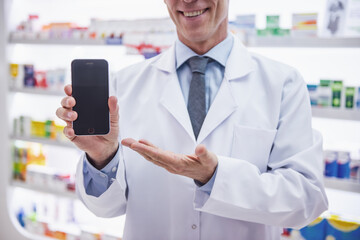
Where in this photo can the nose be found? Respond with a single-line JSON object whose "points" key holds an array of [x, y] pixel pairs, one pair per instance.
{"points": [[190, 1]]}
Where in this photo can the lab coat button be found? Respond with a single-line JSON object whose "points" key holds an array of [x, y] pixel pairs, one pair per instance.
{"points": [[194, 226], [113, 169]]}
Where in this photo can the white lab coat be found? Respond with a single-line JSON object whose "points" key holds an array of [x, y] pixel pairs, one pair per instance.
{"points": [[260, 119]]}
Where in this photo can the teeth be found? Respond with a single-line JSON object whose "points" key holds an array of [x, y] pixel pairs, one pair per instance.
{"points": [[193, 14]]}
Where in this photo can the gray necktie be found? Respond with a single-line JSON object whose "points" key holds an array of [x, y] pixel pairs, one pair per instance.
{"points": [[196, 101]]}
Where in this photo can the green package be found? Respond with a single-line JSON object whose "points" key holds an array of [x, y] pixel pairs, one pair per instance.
{"points": [[272, 22], [349, 97], [336, 93]]}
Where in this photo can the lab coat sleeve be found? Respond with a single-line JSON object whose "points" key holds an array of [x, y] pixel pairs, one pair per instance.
{"points": [[112, 202], [291, 193]]}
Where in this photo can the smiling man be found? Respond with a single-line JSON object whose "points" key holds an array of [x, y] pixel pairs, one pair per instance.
{"points": [[216, 142]]}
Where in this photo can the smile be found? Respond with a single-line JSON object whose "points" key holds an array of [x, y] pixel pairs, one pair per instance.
{"points": [[194, 13]]}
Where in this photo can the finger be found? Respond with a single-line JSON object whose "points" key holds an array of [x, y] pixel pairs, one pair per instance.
{"points": [[146, 142], [68, 89], [145, 149], [69, 133], [114, 111], [68, 102], [66, 114], [127, 142]]}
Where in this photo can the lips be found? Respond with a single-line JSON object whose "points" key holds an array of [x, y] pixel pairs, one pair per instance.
{"points": [[194, 13]]}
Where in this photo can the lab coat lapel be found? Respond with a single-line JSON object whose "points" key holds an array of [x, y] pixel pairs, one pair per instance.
{"points": [[239, 65], [172, 98]]}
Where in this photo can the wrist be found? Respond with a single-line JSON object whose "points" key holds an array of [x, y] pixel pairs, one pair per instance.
{"points": [[203, 180], [100, 160]]}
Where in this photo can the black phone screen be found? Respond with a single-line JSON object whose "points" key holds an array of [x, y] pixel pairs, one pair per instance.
{"points": [[90, 88]]}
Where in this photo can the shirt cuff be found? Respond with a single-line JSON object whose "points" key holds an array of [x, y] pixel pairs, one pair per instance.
{"points": [[207, 187], [97, 181]]}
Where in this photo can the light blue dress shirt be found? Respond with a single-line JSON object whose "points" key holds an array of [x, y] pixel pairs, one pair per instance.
{"points": [[97, 181]]}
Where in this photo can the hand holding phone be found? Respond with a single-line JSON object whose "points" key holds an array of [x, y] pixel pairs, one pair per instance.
{"points": [[98, 147]]}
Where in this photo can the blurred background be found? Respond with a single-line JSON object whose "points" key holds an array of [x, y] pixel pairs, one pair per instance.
{"points": [[40, 38]]}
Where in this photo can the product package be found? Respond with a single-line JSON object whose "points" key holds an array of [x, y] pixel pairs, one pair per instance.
{"points": [[349, 97], [324, 93], [304, 25], [336, 93]]}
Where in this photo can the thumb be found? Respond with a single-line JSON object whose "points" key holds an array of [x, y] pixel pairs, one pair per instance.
{"points": [[114, 110], [202, 153]]}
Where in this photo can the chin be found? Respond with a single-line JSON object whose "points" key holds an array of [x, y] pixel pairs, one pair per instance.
{"points": [[198, 36]]}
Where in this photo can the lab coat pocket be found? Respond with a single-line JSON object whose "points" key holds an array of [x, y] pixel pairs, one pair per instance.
{"points": [[253, 145]]}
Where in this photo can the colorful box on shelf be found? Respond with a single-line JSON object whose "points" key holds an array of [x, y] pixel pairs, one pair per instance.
{"points": [[148, 44], [29, 165], [26, 127], [48, 178], [329, 227], [340, 165], [25, 76], [273, 28], [111, 31], [332, 93], [304, 25], [68, 231], [244, 27], [30, 153]]}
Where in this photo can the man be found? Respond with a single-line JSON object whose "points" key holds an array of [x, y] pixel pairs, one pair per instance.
{"points": [[247, 169]]}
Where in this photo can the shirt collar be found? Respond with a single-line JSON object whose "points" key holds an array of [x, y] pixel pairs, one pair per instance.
{"points": [[220, 52]]}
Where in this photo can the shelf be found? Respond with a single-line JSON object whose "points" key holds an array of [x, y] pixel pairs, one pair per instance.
{"points": [[43, 189], [304, 42], [342, 114], [44, 141], [95, 42], [39, 91], [342, 184]]}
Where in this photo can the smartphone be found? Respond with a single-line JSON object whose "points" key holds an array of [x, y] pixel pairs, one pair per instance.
{"points": [[90, 88]]}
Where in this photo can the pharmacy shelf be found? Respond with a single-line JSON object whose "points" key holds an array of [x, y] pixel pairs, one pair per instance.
{"points": [[342, 184], [342, 114], [43, 189], [39, 91], [44, 141], [95, 42], [309, 42]]}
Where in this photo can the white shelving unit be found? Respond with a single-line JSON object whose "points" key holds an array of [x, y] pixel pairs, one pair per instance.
{"points": [[95, 42], [43, 189], [39, 91], [44, 141], [283, 42], [290, 42], [342, 184], [341, 114]]}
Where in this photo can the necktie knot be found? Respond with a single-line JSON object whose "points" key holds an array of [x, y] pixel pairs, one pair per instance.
{"points": [[198, 64]]}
